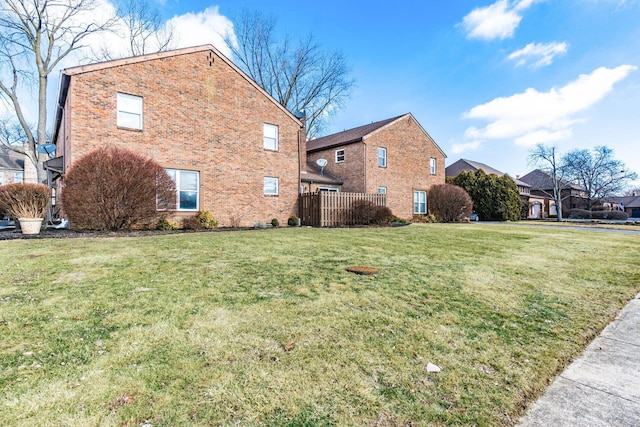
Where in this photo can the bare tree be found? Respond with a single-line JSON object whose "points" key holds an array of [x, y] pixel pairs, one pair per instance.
{"points": [[598, 172], [298, 74], [35, 35], [551, 164], [141, 25]]}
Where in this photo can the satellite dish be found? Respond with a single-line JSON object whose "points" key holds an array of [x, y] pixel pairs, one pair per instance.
{"points": [[322, 163], [47, 148]]}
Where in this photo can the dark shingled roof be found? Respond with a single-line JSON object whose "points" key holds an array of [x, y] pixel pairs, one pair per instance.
{"points": [[540, 180], [348, 136], [10, 160], [469, 165], [628, 201], [313, 175]]}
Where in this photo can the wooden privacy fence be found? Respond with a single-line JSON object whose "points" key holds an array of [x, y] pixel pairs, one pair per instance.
{"points": [[328, 209]]}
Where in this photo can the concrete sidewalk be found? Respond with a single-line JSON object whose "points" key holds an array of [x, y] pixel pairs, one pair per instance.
{"points": [[602, 387]]}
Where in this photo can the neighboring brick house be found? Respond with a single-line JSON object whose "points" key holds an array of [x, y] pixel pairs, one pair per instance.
{"points": [[231, 148], [524, 189], [16, 167], [394, 156], [573, 196]]}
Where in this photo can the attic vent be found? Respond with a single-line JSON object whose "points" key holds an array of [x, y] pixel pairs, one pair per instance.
{"points": [[211, 59]]}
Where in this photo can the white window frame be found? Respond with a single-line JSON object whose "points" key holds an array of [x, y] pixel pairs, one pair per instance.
{"points": [[382, 157], [432, 165], [176, 175], [382, 190], [18, 177], [130, 111], [1, 177], [417, 202], [329, 189], [340, 155], [271, 186], [269, 140]]}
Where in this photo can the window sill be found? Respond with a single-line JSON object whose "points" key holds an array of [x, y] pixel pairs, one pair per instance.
{"points": [[131, 129]]}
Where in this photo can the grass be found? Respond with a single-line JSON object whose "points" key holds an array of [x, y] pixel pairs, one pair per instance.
{"points": [[267, 327]]}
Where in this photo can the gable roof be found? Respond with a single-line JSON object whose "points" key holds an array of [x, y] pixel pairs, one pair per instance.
{"points": [[540, 180], [358, 134], [67, 73], [10, 160], [469, 165]]}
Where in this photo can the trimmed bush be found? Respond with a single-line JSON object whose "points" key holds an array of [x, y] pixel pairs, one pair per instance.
{"points": [[449, 203], [363, 212], [292, 221], [165, 224], [275, 222], [114, 189], [204, 220], [615, 215], [579, 214], [24, 200], [383, 216]]}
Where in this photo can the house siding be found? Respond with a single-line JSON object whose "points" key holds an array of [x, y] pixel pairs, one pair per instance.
{"points": [[199, 114], [352, 170]]}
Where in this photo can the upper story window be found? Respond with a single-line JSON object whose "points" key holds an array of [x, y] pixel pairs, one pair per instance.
{"points": [[187, 189], [270, 186], [18, 177], [270, 137], [432, 166], [382, 157], [339, 156], [129, 111]]}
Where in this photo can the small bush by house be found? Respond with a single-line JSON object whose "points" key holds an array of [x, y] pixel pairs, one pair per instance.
{"points": [[579, 214], [365, 212], [204, 220], [24, 200], [614, 215], [115, 189], [449, 203]]}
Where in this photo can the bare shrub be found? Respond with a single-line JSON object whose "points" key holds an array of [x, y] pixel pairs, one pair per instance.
{"points": [[579, 214], [383, 216], [114, 189], [363, 212], [449, 203], [617, 215], [24, 200]]}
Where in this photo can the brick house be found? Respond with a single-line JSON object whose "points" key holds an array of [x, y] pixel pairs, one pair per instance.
{"points": [[16, 167], [573, 196], [231, 148], [394, 156]]}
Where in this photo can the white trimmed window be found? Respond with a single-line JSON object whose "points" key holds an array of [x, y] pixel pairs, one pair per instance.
{"points": [[339, 156], [270, 137], [432, 166], [1, 178], [382, 157], [382, 190], [419, 202], [329, 189], [18, 177], [270, 186], [187, 189], [129, 111]]}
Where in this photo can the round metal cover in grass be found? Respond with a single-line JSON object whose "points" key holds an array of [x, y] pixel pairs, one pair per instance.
{"points": [[363, 269]]}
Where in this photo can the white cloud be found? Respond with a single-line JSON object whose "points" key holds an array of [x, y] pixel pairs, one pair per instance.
{"points": [[496, 21], [464, 147], [539, 53], [533, 117], [206, 27]]}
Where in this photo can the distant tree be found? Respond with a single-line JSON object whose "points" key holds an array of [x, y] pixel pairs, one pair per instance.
{"points": [[298, 74], [494, 198], [35, 35], [141, 24], [547, 158], [598, 172], [449, 203]]}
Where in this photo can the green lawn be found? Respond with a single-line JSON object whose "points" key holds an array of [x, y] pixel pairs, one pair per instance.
{"points": [[267, 327]]}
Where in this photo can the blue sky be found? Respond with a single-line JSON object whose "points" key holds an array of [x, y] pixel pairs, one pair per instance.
{"points": [[486, 79]]}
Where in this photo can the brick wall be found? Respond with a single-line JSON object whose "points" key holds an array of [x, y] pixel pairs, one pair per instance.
{"points": [[199, 114], [409, 151], [351, 170]]}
